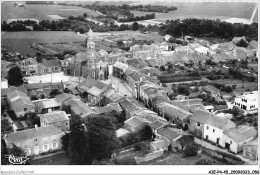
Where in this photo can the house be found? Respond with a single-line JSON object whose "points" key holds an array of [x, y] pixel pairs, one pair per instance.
{"points": [[77, 107], [189, 105], [181, 97], [86, 84], [135, 124], [95, 93], [160, 144], [127, 107], [209, 108], [197, 122], [5, 91], [58, 119], [4, 83], [248, 102], [46, 105], [119, 70], [133, 79], [250, 150], [136, 63], [111, 96], [37, 140], [174, 114], [116, 107], [235, 138], [211, 90], [201, 50], [150, 71], [5, 67], [158, 124], [52, 66], [20, 103], [29, 66], [214, 129], [172, 135], [63, 97]]}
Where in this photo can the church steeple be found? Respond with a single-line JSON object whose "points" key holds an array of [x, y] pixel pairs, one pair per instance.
{"points": [[90, 43]]}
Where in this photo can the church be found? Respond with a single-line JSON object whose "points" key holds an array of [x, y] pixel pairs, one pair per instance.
{"points": [[89, 63]]}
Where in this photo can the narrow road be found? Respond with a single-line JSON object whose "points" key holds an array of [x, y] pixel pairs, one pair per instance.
{"points": [[119, 85]]}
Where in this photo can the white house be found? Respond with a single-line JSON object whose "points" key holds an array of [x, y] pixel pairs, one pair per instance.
{"points": [[248, 102], [214, 128]]}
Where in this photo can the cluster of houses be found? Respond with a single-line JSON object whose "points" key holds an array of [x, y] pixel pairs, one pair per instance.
{"points": [[88, 93]]}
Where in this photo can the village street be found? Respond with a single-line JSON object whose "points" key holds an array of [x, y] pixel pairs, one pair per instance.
{"points": [[120, 86]]}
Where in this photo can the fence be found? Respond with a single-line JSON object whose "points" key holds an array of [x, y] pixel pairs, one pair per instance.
{"points": [[150, 156]]}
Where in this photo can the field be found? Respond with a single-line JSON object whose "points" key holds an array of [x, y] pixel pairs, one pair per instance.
{"points": [[63, 40], [240, 85], [56, 159], [41, 12], [20, 41]]}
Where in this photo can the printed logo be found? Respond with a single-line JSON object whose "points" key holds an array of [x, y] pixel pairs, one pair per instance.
{"points": [[16, 160]]}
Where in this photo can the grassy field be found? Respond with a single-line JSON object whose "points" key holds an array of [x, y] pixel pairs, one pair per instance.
{"points": [[240, 85], [41, 12], [63, 40], [20, 41]]}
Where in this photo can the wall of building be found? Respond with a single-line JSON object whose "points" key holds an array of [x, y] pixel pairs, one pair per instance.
{"points": [[31, 143], [212, 136], [150, 156]]}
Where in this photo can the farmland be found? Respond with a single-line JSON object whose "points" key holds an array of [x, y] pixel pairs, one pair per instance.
{"points": [[42, 12], [20, 41], [58, 41]]}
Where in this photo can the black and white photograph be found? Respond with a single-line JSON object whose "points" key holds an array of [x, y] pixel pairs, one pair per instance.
{"points": [[141, 86]]}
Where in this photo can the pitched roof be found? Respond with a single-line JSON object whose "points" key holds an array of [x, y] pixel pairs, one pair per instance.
{"points": [[20, 102], [56, 116], [188, 102], [122, 132], [51, 63], [87, 83], [102, 110], [16, 94], [137, 63], [174, 110], [79, 108], [115, 106], [169, 133], [45, 103], [221, 123], [127, 105], [94, 91], [121, 66], [81, 56], [32, 133], [241, 135], [200, 116], [64, 96], [158, 124], [134, 122]]}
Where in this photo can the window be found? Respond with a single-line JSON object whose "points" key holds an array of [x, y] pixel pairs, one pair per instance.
{"points": [[207, 127], [54, 145], [27, 151], [25, 109], [230, 142], [66, 123], [36, 140], [45, 147], [213, 130], [198, 123]]}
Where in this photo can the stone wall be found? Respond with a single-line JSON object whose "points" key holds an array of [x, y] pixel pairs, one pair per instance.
{"points": [[150, 156]]}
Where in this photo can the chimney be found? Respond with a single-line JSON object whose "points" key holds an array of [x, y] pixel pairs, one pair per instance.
{"points": [[36, 126]]}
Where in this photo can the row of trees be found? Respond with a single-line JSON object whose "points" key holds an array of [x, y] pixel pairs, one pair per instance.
{"points": [[137, 18], [209, 28]]}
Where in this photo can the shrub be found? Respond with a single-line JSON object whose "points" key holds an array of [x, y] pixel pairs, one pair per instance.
{"points": [[190, 150]]}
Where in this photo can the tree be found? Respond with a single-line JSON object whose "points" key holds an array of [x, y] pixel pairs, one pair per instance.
{"points": [[76, 144], [55, 92], [135, 26], [85, 15], [102, 137], [120, 43], [183, 89], [5, 125], [190, 150], [242, 43], [32, 119], [15, 77]]}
